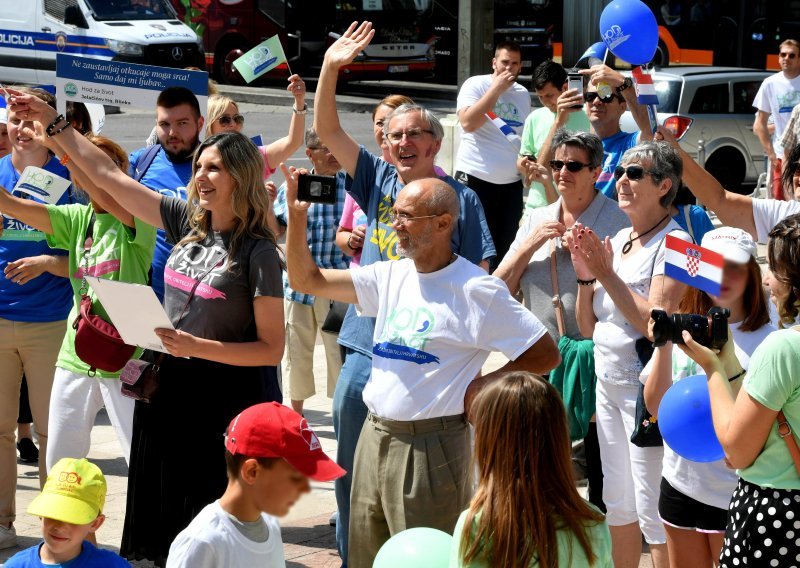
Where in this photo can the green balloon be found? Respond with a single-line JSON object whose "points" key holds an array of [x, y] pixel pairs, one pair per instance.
{"points": [[420, 547]]}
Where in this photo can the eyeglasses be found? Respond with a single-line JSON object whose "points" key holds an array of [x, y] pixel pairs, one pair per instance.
{"points": [[402, 218], [322, 149], [788, 54], [227, 119], [412, 134], [592, 96], [634, 173], [573, 167]]}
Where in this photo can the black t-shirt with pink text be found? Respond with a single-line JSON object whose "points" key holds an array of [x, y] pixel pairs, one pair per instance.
{"points": [[222, 306]]}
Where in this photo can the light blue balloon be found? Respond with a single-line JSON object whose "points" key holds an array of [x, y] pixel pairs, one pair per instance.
{"points": [[630, 30], [419, 547], [684, 418]]}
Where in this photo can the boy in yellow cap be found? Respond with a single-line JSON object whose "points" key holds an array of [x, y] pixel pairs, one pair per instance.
{"points": [[70, 505]]}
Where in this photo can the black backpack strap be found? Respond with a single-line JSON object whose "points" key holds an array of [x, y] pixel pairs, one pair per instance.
{"points": [[145, 160]]}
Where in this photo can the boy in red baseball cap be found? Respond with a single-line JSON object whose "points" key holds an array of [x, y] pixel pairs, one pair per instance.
{"points": [[271, 453]]}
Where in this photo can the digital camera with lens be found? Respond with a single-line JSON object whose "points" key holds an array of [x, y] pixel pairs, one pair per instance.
{"points": [[710, 330]]}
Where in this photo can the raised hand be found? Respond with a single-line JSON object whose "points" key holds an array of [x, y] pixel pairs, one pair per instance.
{"points": [[594, 257], [502, 81], [29, 107], [298, 89], [345, 49], [292, 174], [546, 231]]}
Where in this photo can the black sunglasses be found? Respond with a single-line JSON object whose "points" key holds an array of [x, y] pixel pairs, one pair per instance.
{"points": [[634, 173], [571, 166], [593, 96]]}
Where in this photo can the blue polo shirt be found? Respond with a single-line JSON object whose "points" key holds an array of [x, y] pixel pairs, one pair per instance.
{"points": [[46, 298]]}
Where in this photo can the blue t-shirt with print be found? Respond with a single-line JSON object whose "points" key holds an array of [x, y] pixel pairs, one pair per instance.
{"points": [[375, 188], [46, 298], [90, 557], [613, 149], [167, 178], [701, 222]]}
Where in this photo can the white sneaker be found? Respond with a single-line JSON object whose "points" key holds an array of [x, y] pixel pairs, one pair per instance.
{"points": [[8, 537]]}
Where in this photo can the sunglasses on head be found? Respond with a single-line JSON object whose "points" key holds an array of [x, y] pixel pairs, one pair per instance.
{"points": [[634, 173], [571, 166], [592, 96], [227, 119]]}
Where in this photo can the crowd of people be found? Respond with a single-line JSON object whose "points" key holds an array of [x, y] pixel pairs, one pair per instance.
{"points": [[413, 277]]}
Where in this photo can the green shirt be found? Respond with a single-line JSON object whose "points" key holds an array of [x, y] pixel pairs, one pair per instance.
{"points": [[773, 379], [118, 253], [537, 127], [570, 552]]}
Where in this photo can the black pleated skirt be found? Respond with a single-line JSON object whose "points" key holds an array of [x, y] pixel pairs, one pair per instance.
{"points": [[177, 464]]}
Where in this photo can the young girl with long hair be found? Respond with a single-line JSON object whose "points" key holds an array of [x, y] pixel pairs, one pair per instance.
{"points": [[526, 511], [694, 499]]}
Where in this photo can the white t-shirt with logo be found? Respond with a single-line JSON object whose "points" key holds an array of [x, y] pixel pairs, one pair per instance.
{"points": [[486, 153], [433, 333], [769, 212], [778, 96], [710, 483], [212, 541]]}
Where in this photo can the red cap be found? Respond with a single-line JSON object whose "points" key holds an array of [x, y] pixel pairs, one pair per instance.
{"points": [[272, 430]]}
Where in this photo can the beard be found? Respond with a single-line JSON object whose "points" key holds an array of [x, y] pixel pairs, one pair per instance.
{"points": [[413, 243], [183, 154]]}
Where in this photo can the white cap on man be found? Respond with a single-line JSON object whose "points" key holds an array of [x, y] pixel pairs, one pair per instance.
{"points": [[735, 245]]}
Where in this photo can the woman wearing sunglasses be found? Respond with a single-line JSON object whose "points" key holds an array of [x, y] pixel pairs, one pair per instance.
{"points": [[620, 279], [224, 116]]}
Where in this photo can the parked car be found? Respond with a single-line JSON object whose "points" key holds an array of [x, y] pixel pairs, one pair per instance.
{"points": [[715, 105]]}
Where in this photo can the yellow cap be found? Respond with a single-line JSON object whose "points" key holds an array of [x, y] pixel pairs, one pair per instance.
{"points": [[75, 492]]}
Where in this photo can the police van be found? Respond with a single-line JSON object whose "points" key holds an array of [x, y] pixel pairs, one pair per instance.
{"points": [[32, 32]]}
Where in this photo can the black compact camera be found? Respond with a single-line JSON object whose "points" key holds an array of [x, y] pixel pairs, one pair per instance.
{"points": [[316, 189], [710, 330]]}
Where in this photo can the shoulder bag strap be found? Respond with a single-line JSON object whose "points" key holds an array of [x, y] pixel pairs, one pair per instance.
{"points": [[88, 240], [785, 432], [687, 209], [557, 305], [145, 160]]}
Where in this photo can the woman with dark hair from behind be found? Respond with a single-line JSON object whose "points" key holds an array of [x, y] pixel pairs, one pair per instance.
{"points": [[526, 511], [791, 175]]}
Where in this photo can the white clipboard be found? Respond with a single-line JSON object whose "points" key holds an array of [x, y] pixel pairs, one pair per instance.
{"points": [[134, 310]]}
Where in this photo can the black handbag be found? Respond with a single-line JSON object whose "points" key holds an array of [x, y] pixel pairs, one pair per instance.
{"points": [[645, 432], [335, 318]]}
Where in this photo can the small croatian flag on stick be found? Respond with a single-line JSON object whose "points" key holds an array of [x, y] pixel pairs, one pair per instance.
{"points": [[645, 90], [693, 265], [506, 129]]}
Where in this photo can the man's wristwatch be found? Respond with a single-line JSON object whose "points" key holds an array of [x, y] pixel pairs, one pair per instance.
{"points": [[304, 110], [626, 83]]}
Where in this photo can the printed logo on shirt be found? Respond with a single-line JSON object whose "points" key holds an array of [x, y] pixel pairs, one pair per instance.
{"points": [[508, 112], [103, 256], [189, 263], [405, 334], [787, 101], [383, 235]]}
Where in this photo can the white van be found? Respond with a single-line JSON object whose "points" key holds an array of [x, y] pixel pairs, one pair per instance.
{"points": [[32, 32]]}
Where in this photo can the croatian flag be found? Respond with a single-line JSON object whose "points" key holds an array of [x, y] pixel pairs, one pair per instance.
{"points": [[645, 90], [507, 130], [693, 265]]}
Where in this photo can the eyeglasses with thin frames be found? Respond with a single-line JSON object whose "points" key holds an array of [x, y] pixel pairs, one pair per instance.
{"points": [[412, 134], [402, 218], [227, 119]]}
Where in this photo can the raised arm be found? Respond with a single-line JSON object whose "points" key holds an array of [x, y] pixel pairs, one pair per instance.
{"points": [[282, 149], [26, 210], [733, 209], [472, 117], [137, 199], [304, 275], [614, 79], [326, 117]]}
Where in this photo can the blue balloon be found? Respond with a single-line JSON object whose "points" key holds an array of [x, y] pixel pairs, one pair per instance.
{"points": [[596, 51], [684, 418], [629, 29], [420, 547]]}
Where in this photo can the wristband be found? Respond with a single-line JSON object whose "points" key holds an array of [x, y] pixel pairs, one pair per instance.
{"points": [[64, 160], [52, 133], [304, 110], [52, 125], [586, 282], [626, 83]]}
